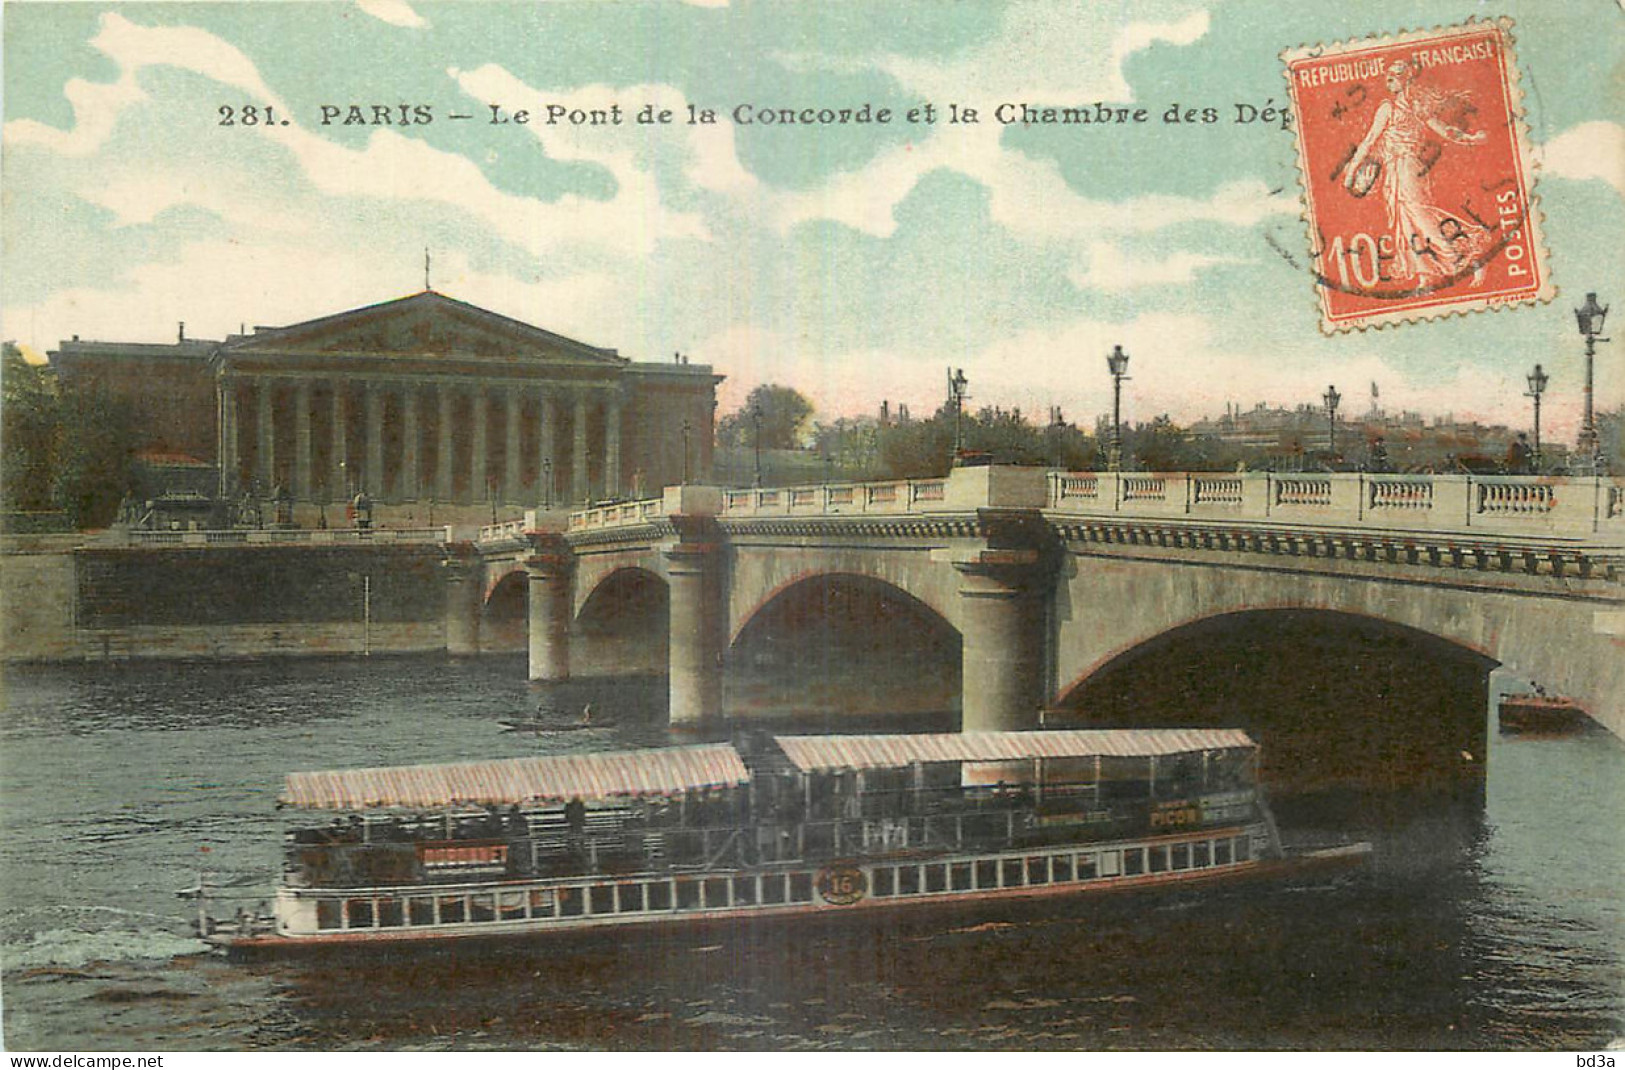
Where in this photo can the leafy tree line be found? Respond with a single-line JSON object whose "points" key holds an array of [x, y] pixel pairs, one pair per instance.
{"points": [[61, 450], [903, 448]]}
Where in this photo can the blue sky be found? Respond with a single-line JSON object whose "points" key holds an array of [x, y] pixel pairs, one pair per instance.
{"points": [[854, 263]]}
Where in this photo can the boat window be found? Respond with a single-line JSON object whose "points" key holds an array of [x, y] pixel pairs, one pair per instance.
{"points": [[908, 880], [959, 875], [1133, 861], [688, 895], [744, 890], [801, 887], [1180, 855], [328, 913], [716, 892], [1062, 867], [884, 881], [1243, 849], [1086, 867], [1159, 859], [1012, 872], [360, 911], [660, 895], [571, 902], [420, 910], [1199, 855], [773, 888], [481, 907], [389, 913], [628, 898], [541, 902], [987, 873], [1221, 852], [936, 877], [1038, 870]]}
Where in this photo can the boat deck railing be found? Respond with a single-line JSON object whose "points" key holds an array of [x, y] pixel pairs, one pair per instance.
{"points": [[776, 837]]}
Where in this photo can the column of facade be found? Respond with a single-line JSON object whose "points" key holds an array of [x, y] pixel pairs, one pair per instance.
{"points": [[510, 453], [612, 446], [266, 437], [550, 570], [693, 570], [340, 479], [374, 476], [409, 443], [303, 484], [227, 453], [478, 462], [547, 446], [444, 485], [578, 475]]}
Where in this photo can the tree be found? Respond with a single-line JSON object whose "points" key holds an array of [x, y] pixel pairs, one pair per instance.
{"points": [[28, 432], [783, 413], [95, 455]]}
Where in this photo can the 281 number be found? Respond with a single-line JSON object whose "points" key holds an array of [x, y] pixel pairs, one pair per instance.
{"points": [[249, 115]]}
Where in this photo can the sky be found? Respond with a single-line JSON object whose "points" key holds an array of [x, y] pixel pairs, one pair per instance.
{"points": [[855, 262]]}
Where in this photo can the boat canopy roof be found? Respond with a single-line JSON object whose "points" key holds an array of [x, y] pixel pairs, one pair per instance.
{"points": [[837, 753], [545, 778]]}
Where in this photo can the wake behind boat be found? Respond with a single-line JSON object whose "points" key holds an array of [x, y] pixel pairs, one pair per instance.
{"points": [[790, 826]]}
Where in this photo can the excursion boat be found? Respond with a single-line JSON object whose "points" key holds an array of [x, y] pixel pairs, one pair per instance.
{"points": [[774, 826]]}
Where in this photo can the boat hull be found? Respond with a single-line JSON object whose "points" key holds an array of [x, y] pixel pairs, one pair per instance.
{"points": [[934, 908]]}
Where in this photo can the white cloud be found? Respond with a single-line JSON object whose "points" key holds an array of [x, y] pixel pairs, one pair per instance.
{"points": [[1589, 150], [394, 12], [97, 106], [1112, 270]]}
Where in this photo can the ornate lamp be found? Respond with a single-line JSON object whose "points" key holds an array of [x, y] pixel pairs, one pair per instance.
{"points": [[1117, 363]]}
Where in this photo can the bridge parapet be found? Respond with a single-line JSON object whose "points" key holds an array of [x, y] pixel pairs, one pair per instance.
{"points": [[279, 537], [1504, 505]]}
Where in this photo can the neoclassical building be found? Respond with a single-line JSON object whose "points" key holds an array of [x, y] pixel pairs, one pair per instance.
{"points": [[425, 399]]}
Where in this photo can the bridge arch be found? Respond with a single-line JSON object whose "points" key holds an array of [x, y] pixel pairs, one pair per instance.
{"points": [[623, 624], [836, 643], [505, 612]]}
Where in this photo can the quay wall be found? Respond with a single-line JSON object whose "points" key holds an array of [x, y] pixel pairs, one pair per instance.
{"points": [[87, 602]]}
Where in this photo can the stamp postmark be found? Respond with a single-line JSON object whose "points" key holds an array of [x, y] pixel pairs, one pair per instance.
{"points": [[1417, 177]]}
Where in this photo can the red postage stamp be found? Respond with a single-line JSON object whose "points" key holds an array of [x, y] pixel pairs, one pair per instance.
{"points": [[1417, 178]]}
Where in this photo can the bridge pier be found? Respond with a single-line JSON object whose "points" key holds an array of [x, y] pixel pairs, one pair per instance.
{"points": [[698, 632], [463, 582], [550, 609], [1002, 623]]}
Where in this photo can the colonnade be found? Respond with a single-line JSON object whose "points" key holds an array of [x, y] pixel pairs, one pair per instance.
{"points": [[393, 412]]}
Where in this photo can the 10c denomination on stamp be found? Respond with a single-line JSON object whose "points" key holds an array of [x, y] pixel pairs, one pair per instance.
{"points": [[1417, 179]]}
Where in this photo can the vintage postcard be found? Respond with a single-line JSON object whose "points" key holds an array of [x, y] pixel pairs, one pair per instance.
{"points": [[772, 526]]}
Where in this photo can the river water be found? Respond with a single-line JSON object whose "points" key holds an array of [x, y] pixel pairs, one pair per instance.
{"points": [[1489, 920]]}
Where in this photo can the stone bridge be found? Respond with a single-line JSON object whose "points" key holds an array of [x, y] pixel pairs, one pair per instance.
{"points": [[1042, 579]]}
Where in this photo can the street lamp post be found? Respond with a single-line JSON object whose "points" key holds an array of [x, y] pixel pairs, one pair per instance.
{"points": [[686, 429], [1117, 362], [956, 393], [1056, 426], [1590, 317], [1537, 386], [756, 421], [1331, 398], [547, 482]]}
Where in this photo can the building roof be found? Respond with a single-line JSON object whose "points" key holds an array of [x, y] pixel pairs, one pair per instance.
{"points": [[548, 778], [838, 753], [422, 324]]}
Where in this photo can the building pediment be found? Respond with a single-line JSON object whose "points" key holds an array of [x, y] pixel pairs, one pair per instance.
{"points": [[424, 326]]}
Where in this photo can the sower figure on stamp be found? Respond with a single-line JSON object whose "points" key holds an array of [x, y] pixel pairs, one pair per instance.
{"points": [[1429, 243]]}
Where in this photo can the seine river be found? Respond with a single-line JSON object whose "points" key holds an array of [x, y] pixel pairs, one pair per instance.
{"points": [[1494, 921]]}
